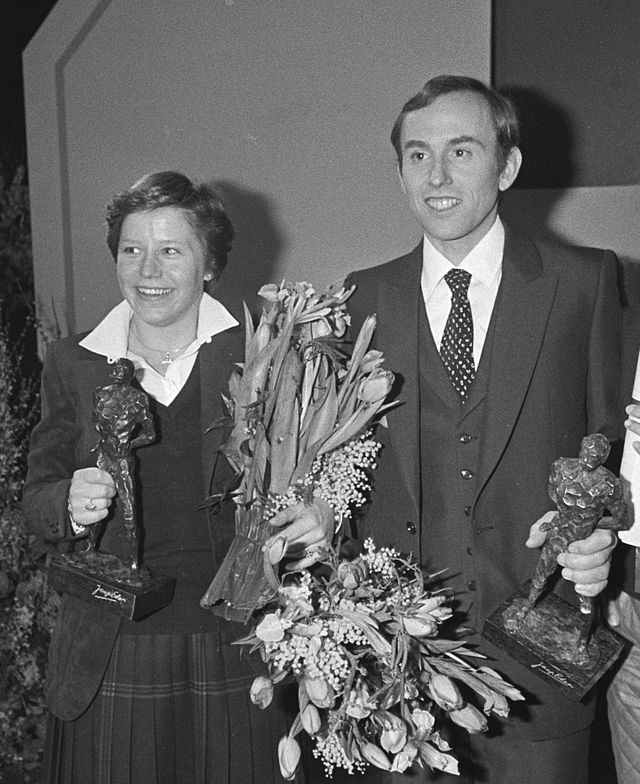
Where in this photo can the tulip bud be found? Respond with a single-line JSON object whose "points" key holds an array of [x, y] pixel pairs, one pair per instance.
{"points": [[269, 292], [371, 361], [376, 386], [435, 759], [419, 626], [393, 738], [352, 573], [497, 703], [423, 720], [340, 324], [261, 691], [288, 757], [470, 718], [441, 613], [310, 719], [444, 691], [320, 328], [375, 756], [405, 758], [359, 704], [431, 601], [320, 692], [262, 336], [270, 628]]}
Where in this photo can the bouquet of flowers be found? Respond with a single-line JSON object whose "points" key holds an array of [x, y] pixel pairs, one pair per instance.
{"points": [[298, 410], [376, 685]]}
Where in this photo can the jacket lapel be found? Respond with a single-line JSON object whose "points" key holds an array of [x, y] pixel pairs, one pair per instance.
{"points": [[217, 362], [521, 316], [399, 303]]}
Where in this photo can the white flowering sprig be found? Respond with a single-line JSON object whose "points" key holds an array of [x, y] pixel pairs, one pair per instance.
{"points": [[376, 685], [340, 478]]}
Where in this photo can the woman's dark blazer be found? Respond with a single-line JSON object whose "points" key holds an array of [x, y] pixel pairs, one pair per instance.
{"points": [[63, 442]]}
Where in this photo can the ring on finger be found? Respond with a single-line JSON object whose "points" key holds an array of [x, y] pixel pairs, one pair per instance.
{"points": [[90, 505]]}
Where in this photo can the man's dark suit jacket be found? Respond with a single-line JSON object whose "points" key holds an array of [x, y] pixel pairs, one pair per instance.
{"points": [[63, 442], [553, 378]]}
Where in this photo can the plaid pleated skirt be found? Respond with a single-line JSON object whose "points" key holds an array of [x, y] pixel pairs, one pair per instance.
{"points": [[172, 709]]}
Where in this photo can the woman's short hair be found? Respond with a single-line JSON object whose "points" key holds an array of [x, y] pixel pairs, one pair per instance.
{"points": [[502, 110], [201, 205]]}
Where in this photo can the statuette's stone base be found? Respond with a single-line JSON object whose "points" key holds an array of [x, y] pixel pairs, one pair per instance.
{"points": [[547, 642], [104, 580]]}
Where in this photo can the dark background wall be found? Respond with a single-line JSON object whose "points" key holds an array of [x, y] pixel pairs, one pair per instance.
{"points": [[574, 69]]}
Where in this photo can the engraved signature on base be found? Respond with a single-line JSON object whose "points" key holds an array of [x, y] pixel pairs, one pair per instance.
{"points": [[108, 595], [558, 676]]}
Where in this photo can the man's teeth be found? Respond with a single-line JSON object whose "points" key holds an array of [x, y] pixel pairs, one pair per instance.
{"points": [[442, 204], [154, 292]]}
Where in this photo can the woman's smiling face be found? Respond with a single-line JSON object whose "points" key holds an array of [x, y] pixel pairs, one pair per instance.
{"points": [[161, 266]]}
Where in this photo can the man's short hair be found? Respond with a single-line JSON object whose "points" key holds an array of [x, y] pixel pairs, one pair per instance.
{"points": [[502, 110]]}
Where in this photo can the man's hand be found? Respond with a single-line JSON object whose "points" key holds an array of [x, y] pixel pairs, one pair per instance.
{"points": [[303, 531], [586, 562]]}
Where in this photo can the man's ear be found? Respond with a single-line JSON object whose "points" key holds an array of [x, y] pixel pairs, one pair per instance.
{"points": [[511, 169]]}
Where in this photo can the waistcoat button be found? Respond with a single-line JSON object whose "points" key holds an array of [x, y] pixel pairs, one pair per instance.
{"points": [[471, 585], [467, 511], [411, 527], [465, 438], [466, 473]]}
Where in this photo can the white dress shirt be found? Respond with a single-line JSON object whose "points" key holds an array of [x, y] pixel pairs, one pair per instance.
{"points": [[484, 263], [111, 338], [630, 477]]}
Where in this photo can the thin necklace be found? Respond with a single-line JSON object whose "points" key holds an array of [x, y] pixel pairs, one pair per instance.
{"points": [[167, 358]]}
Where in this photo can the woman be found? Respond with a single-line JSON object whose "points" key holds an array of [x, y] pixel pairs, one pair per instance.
{"points": [[166, 698]]}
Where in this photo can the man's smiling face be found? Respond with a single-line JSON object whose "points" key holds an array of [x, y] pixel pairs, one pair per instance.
{"points": [[452, 172]]}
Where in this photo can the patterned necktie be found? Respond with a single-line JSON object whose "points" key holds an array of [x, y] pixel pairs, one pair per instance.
{"points": [[456, 348]]}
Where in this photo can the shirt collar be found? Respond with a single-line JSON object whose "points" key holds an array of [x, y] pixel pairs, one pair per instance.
{"points": [[484, 261], [110, 338]]}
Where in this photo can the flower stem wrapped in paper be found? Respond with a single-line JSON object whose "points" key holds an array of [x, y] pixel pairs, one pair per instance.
{"points": [[299, 408], [376, 685]]}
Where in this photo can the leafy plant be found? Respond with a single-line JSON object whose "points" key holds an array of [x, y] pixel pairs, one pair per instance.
{"points": [[16, 268], [27, 608]]}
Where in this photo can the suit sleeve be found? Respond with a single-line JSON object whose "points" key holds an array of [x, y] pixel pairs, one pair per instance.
{"points": [[603, 383], [51, 458]]}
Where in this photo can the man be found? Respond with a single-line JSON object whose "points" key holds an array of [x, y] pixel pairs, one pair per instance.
{"points": [[502, 368], [623, 698]]}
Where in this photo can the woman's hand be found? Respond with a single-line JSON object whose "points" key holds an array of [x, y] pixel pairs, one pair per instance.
{"points": [[90, 495], [304, 530]]}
